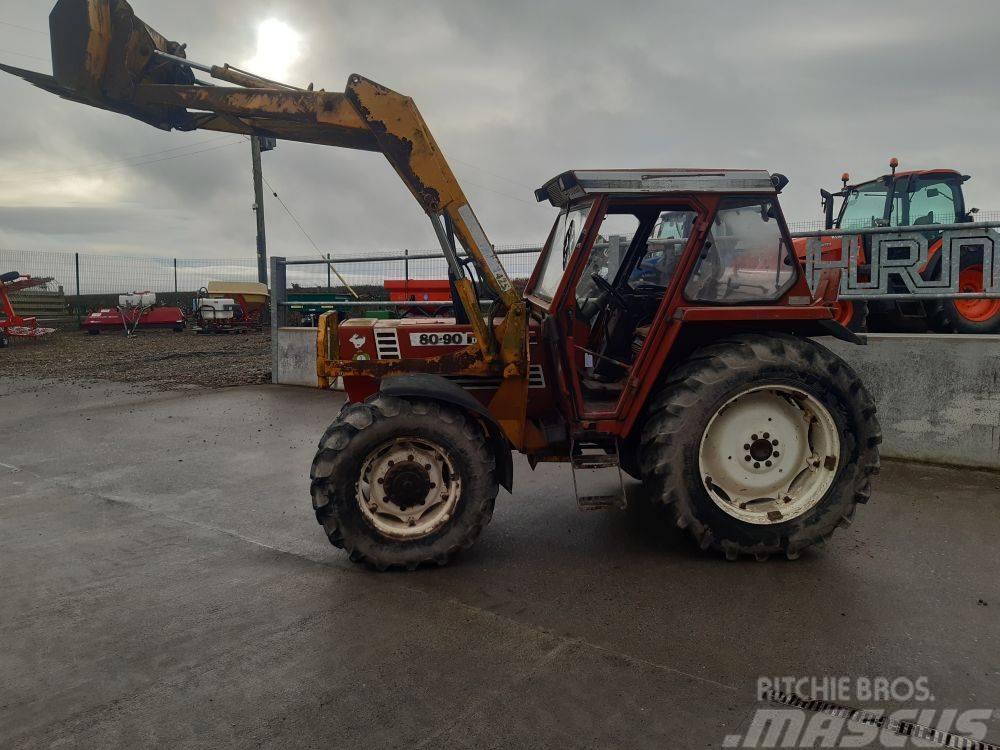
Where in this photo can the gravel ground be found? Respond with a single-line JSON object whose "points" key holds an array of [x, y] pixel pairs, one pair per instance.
{"points": [[163, 358]]}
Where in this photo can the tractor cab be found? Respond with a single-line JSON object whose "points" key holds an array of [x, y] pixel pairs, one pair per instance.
{"points": [[631, 255], [899, 199]]}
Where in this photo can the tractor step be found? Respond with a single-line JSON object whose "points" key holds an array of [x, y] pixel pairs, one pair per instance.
{"points": [[599, 468]]}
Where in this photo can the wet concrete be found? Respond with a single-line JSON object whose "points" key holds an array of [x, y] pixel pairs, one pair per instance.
{"points": [[163, 581]]}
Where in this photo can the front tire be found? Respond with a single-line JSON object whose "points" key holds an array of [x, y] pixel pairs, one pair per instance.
{"points": [[742, 493], [399, 483], [852, 314]]}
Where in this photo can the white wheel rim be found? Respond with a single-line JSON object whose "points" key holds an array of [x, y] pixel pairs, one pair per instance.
{"points": [[408, 488], [769, 455]]}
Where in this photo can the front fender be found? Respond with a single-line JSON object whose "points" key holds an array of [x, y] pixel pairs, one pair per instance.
{"points": [[437, 388]]}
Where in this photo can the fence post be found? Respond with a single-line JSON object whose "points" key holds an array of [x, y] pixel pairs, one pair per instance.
{"points": [[279, 295], [175, 277], [77, 262], [329, 283], [406, 267]]}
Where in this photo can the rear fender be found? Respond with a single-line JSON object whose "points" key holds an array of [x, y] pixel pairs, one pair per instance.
{"points": [[430, 387]]}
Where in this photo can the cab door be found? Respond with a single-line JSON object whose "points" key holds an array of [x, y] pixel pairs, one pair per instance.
{"points": [[612, 295]]}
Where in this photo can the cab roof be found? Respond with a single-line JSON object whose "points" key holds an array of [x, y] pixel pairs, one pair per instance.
{"points": [[569, 186], [911, 173]]}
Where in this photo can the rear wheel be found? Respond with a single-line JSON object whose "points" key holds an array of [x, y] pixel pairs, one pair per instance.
{"points": [[760, 445], [399, 483], [967, 315]]}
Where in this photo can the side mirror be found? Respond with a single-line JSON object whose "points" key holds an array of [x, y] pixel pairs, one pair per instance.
{"points": [[827, 198]]}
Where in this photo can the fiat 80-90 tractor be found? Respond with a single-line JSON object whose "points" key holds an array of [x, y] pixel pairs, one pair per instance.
{"points": [[697, 375]]}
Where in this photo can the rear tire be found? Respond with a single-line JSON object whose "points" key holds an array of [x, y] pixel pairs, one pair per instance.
{"points": [[760, 382], [965, 315], [399, 483]]}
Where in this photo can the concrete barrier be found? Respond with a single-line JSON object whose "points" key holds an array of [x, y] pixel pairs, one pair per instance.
{"points": [[938, 395], [295, 360]]}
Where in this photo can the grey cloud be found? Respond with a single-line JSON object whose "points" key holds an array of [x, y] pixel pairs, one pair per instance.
{"points": [[516, 92]]}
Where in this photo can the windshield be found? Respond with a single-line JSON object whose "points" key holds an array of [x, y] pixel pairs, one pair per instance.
{"points": [[864, 205], [561, 244]]}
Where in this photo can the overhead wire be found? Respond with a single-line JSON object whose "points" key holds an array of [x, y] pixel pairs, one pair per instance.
{"points": [[308, 236], [123, 161], [23, 28]]}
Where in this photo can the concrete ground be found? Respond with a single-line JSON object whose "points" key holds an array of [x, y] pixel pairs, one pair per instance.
{"points": [[163, 582]]}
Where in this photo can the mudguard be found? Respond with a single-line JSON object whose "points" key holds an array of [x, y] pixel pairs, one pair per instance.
{"points": [[440, 389]]}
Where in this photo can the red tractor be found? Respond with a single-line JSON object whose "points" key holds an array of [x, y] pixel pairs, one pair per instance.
{"points": [[685, 358], [921, 200]]}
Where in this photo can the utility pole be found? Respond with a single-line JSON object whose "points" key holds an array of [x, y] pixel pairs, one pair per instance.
{"points": [[257, 146]]}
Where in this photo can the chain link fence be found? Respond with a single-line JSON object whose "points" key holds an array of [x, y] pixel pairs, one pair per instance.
{"points": [[92, 274]]}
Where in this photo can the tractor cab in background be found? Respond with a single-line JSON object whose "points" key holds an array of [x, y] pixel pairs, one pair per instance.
{"points": [[899, 199], [921, 201]]}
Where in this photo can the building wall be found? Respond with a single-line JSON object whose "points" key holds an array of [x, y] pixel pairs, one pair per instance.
{"points": [[938, 395]]}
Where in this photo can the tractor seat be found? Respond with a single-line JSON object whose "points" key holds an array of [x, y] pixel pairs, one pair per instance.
{"points": [[8, 277]]}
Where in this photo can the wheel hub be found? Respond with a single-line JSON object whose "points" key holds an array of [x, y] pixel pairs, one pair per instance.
{"points": [[769, 454], [407, 485]]}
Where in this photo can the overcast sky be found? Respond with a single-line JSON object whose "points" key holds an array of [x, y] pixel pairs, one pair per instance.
{"points": [[515, 92]]}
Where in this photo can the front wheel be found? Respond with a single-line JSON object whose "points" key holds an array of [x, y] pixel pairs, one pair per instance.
{"points": [[852, 314], [399, 483], [760, 445]]}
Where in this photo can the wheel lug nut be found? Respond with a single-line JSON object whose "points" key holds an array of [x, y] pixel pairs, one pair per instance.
{"points": [[746, 446], [381, 481], [427, 467], [756, 464], [753, 437], [747, 458], [767, 435], [767, 463], [776, 454], [774, 442]]}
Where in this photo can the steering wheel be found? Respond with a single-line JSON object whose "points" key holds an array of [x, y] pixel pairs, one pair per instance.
{"points": [[614, 296]]}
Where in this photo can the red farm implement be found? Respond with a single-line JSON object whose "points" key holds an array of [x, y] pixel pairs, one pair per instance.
{"points": [[13, 325]]}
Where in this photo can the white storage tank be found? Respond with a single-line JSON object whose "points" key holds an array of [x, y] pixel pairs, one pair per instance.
{"points": [[216, 309], [137, 299]]}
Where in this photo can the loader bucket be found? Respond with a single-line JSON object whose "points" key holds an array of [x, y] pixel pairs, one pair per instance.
{"points": [[100, 52]]}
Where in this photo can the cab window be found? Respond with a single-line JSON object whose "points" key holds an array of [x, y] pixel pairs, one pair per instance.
{"points": [[744, 257], [562, 243], [932, 201]]}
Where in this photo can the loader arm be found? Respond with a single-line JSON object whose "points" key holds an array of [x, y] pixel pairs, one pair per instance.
{"points": [[104, 56]]}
